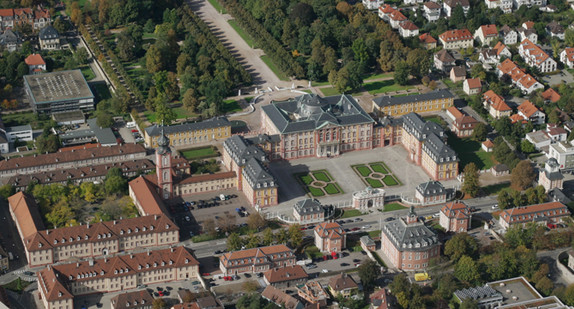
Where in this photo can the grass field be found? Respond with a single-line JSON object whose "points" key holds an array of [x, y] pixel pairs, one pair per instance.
{"points": [[495, 189], [377, 76], [306, 179], [280, 74], [351, 213], [322, 176], [317, 84], [390, 181], [374, 183], [435, 119], [180, 113], [244, 35], [230, 106], [218, 6], [332, 189], [470, 151], [363, 170], [393, 206], [384, 86], [329, 91], [379, 168], [199, 153], [19, 119], [315, 191], [88, 73], [18, 285]]}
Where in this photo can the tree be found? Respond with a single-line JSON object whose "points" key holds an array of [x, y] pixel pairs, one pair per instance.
{"points": [[60, 25], [268, 236], [154, 59], [478, 71], [60, 215], [480, 132], [47, 143], [282, 236], [471, 184], [457, 17], [104, 119], [158, 303], [369, 271], [554, 117], [466, 270], [419, 62], [461, 244], [504, 200], [295, 235], [22, 69], [115, 184], [164, 114], [7, 190], [190, 100], [522, 175], [402, 71], [468, 303], [527, 146], [569, 37], [81, 55], [256, 221], [234, 242], [90, 191]]}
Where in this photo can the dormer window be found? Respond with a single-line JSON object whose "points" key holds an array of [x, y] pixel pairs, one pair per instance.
{"points": [[79, 238], [121, 232], [86, 238], [129, 231], [109, 234], [55, 241], [144, 229], [71, 239], [186, 261], [162, 263], [154, 264], [99, 236], [151, 227], [137, 230], [139, 267], [102, 272], [63, 240]]}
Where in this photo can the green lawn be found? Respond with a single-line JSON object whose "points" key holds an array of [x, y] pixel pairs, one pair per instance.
{"points": [[351, 213], [317, 84], [148, 35], [244, 35], [377, 76], [393, 206], [19, 119], [218, 6], [315, 191], [322, 176], [88, 73], [374, 183], [495, 189], [390, 181], [17, 285], [468, 151], [305, 178], [199, 153], [280, 74], [435, 119], [329, 91], [379, 168], [363, 170], [230, 106], [375, 234], [180, 113], [332, 189], [384, 86]]}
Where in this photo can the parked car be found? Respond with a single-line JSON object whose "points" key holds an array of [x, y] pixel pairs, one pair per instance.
{"points": [[358, 219], [366, 227], [324, 271], [311, 266], [187, 218]]}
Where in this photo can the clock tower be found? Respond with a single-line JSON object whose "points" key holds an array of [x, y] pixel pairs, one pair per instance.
{"points": [[163, 166]]}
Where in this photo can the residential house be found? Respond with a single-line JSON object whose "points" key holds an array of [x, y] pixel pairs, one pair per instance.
{"points": [[37, 18], [330, 237], [36, 64], [563, 152], [49, 38], [412, 2], [343, 285], [430, 193], [309, 211], [500, 170], [529, 34], [487, 145], [281, 298], [408, 29], [313, 293], [555, 30], [408, 243], [550, 96], [456, 39], [501, 50], [256, 260], [508, 35], [372, 4], [551, 177], [529, 112], [472, 86], [551, 212], [525, 82], [132, 300], [443, 60], [534, 56], [427, 41], [385, 11], [457, 74], [539, 139], [504, 5], [464, 126], [431, 11], [453, 112], [396, 18], [486, 34], [556, 133], [11, 40], [495, 105], [567, 57], [449, 5], [285, 277], [382, 299], [455, 217]]}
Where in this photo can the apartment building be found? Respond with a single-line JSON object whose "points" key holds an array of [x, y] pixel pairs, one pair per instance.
{"points": [[563, 152], [37, 18], [567, 57], [256, 260], [485, 34], [428, 102], [330, 237], [58, 285], [456, 39], [529, 112], [431, 11], [552, 212], [455, 217], [408, 29], [189, 134], [449, 6], [534, 56], [508, 35], [496, 105], [504, 5], [525, 82]]}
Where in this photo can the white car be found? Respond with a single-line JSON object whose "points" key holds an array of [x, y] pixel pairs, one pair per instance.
{"points": [[495, 206], [324, 271], [366, 227], [187, 218], [436, 215]]}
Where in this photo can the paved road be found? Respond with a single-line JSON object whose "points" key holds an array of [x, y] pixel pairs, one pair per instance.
{"points": [[249, 57]]}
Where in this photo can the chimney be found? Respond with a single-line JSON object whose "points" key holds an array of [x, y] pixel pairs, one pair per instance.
{"points": [[148, 253], [91, 262], [47, 232], [77, 264], [155, 217], [114, 222]]}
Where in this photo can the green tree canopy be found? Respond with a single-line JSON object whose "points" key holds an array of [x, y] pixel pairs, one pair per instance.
{"points": [[369, 271], [466, 270], [461, 244]]}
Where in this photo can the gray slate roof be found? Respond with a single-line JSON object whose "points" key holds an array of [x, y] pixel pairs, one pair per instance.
{"points": [[308, 206], [310, 112], [257, 175], [48, 33], [553, 175], [414, 124], [242, 150], [410, 237], [105, 136], [438, 150], [217, 122], [386, 100], [10, 37], [431, 188], [264, 138]]}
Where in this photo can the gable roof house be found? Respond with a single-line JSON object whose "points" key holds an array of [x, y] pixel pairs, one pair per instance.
{"points": [[551, 212], [385, 11], [530, 112], [408, 29], [555, 30], [443, 60], [550, 95], [457, 74], [529, 34], [456, 39], [427, 40], [382, 299], [36, 64], [49, 38], [496, 105], [343, 285], [567, 57], [493, 55], [11, 40], [284, 277], [464, 126], [472, 86], [330, 237], [508, 35], [534, 56], [431, 11], [396, 18], [504, 5], [449, 5], [313, 293], [132, 300], [486, 34], [256, 259], [455, 217], [281, 298], [525, 82]]}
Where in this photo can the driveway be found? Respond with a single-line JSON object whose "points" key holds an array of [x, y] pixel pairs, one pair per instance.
{"points": [[247, 56], [557, 79]]}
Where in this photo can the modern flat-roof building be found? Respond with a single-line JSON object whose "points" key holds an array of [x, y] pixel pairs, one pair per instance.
{"points": [[58, 92]]}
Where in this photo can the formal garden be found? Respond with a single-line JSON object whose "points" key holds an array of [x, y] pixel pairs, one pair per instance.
{"points": [[200, 153], [376, 175], [318, 183]]}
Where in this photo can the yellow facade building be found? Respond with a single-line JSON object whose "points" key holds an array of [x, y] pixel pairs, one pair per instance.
{"points": [[419, 103], [189, 134]]}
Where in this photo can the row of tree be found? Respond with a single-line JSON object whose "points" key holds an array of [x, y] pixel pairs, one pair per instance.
{"points": [[292, 236]]}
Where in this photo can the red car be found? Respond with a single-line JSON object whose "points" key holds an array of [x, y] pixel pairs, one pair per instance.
{"points": [[134, 130], [355, 229], [160, 293]]}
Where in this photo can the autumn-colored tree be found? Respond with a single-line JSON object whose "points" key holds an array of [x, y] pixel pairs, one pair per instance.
{"points": [[522, 175]]}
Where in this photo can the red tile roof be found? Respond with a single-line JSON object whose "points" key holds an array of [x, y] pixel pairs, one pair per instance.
{"points": [[473, 83], [569, 53], [533, 212], [432, 5], [517, 118], [26, 213], [286, 273], [499, 47], [342, 282], [52, 287], [397, 16], [528, 24], [488, 143], [528, 109], [551, 95], [145, 193], [456, 209], [456, 35], [35, 59], [427, 38], [409, 25], [496, 101], [386, 8], [268, 253], [455, 112], [330, 230], [489, 31], [534, 51]]}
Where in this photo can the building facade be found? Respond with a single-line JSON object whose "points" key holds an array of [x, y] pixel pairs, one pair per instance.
{"points": [[330, 237], [456, 39], [455, 217], [256, 260], [551, 177], [37, 18], [429, 102], [552, 212], [308, 211], [534, 56], [189, 134]]}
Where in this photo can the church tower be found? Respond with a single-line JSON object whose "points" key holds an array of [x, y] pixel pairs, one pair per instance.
{"points": [[163, 166]]}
